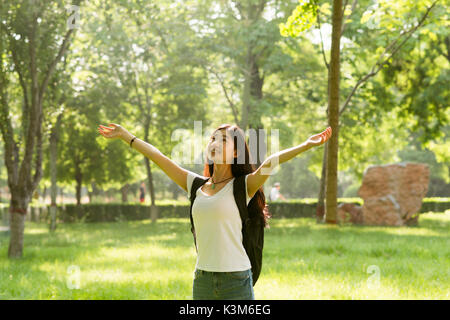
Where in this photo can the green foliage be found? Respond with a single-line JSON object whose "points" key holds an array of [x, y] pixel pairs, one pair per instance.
{"points": [[302, 18], [295, 179], [414, 79], [131, 61]]}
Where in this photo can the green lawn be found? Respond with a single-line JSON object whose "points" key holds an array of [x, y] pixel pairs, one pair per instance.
{"points": [[302, 260]]}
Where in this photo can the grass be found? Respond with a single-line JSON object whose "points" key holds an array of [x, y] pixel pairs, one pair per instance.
{"points": [[302, 260]]}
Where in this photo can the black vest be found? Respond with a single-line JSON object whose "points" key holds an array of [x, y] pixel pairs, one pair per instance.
{"points": [[252, 224]]}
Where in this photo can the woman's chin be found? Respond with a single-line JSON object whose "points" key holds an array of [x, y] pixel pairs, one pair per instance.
{"points": [[218, 158]]}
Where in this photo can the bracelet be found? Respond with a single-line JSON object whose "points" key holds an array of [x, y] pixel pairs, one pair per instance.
{"points": [[132, 141]]}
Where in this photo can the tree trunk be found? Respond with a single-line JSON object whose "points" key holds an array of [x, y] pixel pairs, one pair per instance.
{"points": [[90, 195], [256, 85], [153, 208], [78, 192], [53, 211], [61, 194], [18, 211], [320, 209], [54, 137], [124, 191], [79, 182], [153, 211], [150, 181], [17, 226], [246, 94], [95, 190], [333, 114], [44, 194], [251, 118]]}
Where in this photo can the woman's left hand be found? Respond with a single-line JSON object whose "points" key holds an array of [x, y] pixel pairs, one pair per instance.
{"points": [[320, 138], [113, 131]]}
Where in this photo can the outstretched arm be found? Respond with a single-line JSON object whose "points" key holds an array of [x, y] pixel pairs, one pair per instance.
{"points": [[173, 170], [259, 177]]}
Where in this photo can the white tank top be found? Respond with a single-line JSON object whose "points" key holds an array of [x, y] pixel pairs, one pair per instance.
{"points": [[218, 229]]}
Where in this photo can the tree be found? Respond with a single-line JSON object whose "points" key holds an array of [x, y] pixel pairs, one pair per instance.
{"points": [[140, 75], [333, 114], [300, 22], [36, 37]]}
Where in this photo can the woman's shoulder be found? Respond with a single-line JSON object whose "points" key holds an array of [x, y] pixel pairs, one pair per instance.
{"points": [[190, 179]]}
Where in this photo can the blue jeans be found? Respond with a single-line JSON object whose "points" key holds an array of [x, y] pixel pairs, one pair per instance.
{"points": [[236, 285]]}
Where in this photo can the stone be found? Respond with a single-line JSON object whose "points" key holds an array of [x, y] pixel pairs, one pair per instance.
{"points": [[349, 213], [393, 193]]}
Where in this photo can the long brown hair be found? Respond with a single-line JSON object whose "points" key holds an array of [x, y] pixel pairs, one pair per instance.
{"points": [[257, 204]]}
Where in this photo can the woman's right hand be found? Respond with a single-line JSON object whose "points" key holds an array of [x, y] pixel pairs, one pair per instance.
{"points": [[113, 131]]}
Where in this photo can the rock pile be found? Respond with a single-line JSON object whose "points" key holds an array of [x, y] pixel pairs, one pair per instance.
{"points": [[393, 193]]}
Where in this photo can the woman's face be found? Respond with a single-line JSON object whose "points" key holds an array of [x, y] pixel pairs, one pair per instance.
{"points": [[220, 147]]}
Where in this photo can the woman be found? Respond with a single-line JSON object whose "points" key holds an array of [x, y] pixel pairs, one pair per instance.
{"points": [[223, 269]]}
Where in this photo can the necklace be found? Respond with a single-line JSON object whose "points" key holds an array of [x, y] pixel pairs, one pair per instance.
{"points": [[214, 184]]}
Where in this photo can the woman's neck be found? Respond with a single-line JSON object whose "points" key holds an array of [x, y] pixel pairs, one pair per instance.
{"points": [[221, 172]]}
